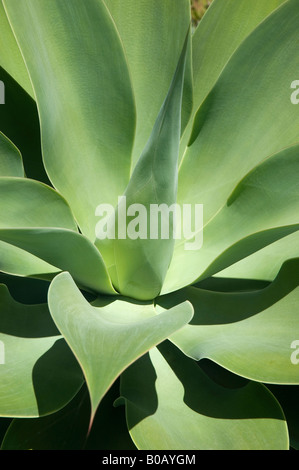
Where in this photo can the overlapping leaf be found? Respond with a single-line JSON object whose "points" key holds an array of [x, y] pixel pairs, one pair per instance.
{"points": [[150, 32], [249, 333], [141, 259], [68, 428], [36, 219], [85, 99], [39, 374], [107, 338], [228, 141], [172, 405], [220, 32], [10, 159], [262, 209]]}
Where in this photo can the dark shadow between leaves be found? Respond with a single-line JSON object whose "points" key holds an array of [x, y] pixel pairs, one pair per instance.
{"points": [[138, 389], [214, 307], [56, 376], [236, 400], [20, 123], [25, 289], [208, 398]]}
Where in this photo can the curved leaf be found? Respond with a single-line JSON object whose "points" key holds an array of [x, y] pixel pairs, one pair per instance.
{"points": [[262, 209], [172, 405], [10, 56], [84, 98], [150, 32], [141, 259], [230, 23], [20, 123], [265, 263], [39, 374], [220, 32], [227, 142], [18, 262], [107, 338], [28, 203], [65, 249], [10, 158], [248, 333], [68, 428]]}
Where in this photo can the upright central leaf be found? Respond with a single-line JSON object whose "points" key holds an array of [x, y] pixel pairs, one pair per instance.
{"points": [[145, 216], [83, 90]]}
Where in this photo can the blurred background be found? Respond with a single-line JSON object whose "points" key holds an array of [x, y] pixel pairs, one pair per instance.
{"points": [[198, 9]]}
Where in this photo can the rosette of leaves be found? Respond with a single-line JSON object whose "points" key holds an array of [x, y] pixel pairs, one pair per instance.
{"points": [[121, 344]]}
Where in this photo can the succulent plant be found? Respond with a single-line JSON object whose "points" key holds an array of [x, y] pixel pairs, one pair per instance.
{"points": [[118, 335]]}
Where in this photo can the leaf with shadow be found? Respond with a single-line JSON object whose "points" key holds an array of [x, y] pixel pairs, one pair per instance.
{"points": [[19, 121], [68, 428], [171, 403], [287, 395], [249, 333], [40, 374]]}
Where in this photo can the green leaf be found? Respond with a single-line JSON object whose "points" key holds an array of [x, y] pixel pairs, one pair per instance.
{"points": [[265, 263], [107, 338], [221, 31], [150, 32], [219, 34], [84, 98], [18, 262], [10, 158], [20, 123], [248, 333], [28, 203], [231, 134], [262, 209], [172, 404], [39, 374], [141, 259], [10, 56], [68, 428], [64, 249]]}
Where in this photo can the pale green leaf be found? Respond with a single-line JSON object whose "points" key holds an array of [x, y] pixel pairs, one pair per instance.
{"points": [[172, 404], [150, 32], [141, 259], [107, 338], [10, 158], [85, 99], [38, 373], [248, 333]]}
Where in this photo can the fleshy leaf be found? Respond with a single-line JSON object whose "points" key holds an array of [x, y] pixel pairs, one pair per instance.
{"points": [[262, 209], [28, 203], [10, 158], [220, 32], [107, 338], [39, 374], [150, 32], [11, 58], [141, 258], [64, 249], [85, 99], [67, 429], [172, 404], [248, 333]]}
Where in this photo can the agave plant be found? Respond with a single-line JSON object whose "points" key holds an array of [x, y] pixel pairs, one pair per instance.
{"points": [[118, 342]]}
